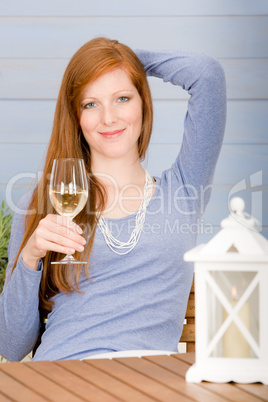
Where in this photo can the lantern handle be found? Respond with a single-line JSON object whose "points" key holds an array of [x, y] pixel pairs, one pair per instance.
{"points": [[239, 217]]}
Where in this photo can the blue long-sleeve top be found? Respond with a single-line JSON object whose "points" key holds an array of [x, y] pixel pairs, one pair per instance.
{"points": [[138, 300]]}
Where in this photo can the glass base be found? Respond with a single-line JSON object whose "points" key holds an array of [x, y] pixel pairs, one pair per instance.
{"points": [[69, 259]]}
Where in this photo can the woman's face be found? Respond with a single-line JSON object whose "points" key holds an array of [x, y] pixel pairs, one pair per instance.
{"points": [[111, 116]]}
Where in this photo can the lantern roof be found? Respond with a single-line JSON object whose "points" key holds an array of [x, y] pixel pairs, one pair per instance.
{"points": [[239, 239]]}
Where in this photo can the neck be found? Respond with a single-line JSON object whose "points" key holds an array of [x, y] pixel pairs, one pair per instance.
{"points": [[118, 173]]}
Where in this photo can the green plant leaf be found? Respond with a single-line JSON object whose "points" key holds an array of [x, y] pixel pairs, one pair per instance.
{"points": [[5, 230]]}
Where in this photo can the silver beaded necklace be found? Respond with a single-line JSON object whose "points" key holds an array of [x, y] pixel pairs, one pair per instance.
{"points": [[115, 244]]}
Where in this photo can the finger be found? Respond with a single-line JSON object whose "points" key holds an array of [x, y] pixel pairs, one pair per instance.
{"points": [[52, 225], [63, 221], [73, 241], [47, 245], [62, 231], [65, 232], [65, 241]]}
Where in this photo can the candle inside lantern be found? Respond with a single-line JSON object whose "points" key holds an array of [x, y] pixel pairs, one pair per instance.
{"points": [[233, 342]]}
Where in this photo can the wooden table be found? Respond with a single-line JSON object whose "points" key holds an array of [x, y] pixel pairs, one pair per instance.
{"points": [[154, 378]]}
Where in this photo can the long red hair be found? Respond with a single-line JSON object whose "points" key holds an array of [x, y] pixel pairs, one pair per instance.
{"points": [[92, 60]]}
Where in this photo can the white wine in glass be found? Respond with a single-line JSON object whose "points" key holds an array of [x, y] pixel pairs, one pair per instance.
{"points": [[68, 192]]}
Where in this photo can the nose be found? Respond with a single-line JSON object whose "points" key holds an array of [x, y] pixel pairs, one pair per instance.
{"points": [[109, 115]]}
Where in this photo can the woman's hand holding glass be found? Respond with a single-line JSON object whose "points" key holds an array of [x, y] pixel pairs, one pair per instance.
{"points": [[53, 233], [68, 193]]}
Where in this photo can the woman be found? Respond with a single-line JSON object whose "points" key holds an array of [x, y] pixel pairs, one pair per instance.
{"points": [[134, 291]]}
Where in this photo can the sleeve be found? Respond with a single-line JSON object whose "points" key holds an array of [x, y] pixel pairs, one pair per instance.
{"points": [[203, 78], [19, 314]]}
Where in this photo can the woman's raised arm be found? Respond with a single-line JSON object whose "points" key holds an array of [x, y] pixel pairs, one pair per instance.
{"points": [[203, 78]]}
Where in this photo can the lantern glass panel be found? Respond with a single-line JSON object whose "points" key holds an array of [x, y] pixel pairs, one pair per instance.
{"points": [[232, 314]]}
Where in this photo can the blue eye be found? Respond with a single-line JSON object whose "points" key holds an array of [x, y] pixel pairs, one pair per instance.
{"points": [[123, 99], [89, 105]]}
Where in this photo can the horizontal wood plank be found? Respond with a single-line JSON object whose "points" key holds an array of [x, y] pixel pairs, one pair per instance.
{"points": [[30, 121], [148, 378], [40, 79], [160, 374], [190, 312], [239, 167], [236, 163], [69, 382], [104, 381], [16, 390], [229, 391], [247, 121], [38, 382], [188, 333], [188, 358], [4, 398], [172, 363], [24, 161], [138, 8], [131, 377], [255, 389], [26, 121], [34, 79], [243, 37]]}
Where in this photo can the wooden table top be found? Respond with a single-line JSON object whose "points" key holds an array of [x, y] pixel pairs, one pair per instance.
{"points": [[150, 378]]}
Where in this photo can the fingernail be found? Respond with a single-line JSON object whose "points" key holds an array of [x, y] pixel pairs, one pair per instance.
{"points": [[83, 241], [79, 230], [80, 248], [71, 251]]}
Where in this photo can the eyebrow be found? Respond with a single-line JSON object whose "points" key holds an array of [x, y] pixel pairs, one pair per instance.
{"points": [[115, 93], [123, 90]]}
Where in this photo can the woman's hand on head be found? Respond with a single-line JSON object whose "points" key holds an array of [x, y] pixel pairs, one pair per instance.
{"points": [[53, 233]]}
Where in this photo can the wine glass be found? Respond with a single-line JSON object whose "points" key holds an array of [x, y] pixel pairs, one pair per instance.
{"points": [[68, 192]]}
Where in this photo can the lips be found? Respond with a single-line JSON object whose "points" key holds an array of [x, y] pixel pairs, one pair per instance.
{"points": [[112, 134]]}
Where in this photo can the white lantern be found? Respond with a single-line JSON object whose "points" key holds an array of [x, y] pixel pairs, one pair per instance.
{"points": [[231, 299]]}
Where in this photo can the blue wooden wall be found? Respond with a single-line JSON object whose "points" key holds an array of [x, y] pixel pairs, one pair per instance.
{"points": [[38, 38]]}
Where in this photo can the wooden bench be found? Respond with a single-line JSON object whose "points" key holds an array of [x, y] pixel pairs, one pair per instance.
{"points": [[188, 332]]}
